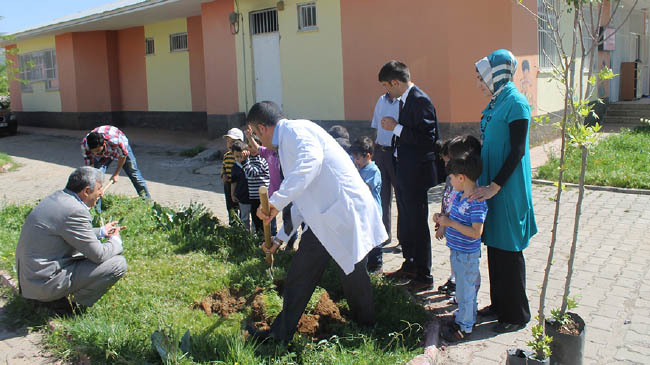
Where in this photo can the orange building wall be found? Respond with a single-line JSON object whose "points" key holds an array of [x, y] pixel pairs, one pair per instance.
{"points": [[65, 62], [113, 70], [220, 58], [132, 69], [14, 86], [91, 71], [197, 68], [441, 51]]}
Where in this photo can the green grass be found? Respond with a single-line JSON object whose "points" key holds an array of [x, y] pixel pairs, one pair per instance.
{"points": [[621, 160], [191, 152], [177, 258], [5, 158]]}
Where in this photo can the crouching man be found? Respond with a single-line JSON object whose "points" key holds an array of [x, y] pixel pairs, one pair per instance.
{"points": [[60, 254]]}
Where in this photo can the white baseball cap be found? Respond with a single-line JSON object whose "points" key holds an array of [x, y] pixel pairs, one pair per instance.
{"points": [[235, 133]]}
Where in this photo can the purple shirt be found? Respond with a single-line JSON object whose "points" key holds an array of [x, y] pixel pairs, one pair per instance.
{"points": [[271, 157]]}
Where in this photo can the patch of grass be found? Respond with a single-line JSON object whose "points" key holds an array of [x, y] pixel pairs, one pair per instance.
{"points": [[178, 257], [620, 160], [191, 152], [5, 158]]}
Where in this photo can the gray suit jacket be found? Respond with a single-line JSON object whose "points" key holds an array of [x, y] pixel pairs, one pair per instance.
{"points": [[59, 227]]}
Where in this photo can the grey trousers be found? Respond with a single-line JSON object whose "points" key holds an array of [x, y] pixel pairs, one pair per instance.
{"points": [[91, 281], [305, 271], [384, 160]]}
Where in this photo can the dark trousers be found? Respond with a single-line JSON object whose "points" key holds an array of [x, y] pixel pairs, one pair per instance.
{"points": [[257, 223], [508, 285], [305, 271], [384, 160], [230, 205], [413, 225]]}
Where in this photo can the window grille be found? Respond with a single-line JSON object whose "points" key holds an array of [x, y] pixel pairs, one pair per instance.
{"points": [[149, 48], [178, 42], [38, 66], [264, 21], [307, 16], [548, 54]]}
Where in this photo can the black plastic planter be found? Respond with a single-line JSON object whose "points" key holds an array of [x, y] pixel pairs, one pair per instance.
{"points": [[566, 349], [521, 357]]}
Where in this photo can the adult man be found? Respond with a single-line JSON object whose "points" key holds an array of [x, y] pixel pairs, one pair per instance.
{"points": [[59, 253], [386, 106], [107, 143], [330, 197], [414, 136]]}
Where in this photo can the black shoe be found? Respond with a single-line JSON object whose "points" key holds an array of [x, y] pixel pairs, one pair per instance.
{"points": [[487, 312], [503, 327], [400, 273], [257, 335], [452, 333], [64, 306], [446, 287]]}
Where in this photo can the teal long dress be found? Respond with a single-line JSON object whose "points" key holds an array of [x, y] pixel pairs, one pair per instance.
{"points": [[510, 221]]}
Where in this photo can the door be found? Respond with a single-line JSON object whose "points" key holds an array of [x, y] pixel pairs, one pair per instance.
{"points": [[266, 56]]}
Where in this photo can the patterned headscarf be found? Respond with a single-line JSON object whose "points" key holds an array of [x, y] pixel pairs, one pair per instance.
{"points": [[497, 69]]}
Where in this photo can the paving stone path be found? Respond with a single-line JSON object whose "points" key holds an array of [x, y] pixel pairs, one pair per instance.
{"points": [[612, 270]]}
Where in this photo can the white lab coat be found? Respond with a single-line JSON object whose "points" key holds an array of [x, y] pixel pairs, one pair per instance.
{"points": [[327, 192]]}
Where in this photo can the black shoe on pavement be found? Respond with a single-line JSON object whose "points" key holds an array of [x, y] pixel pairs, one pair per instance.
{"points": [[446, 287], [420, 286], [503, 327], [400, 273], [487, 312], [452, 333]]}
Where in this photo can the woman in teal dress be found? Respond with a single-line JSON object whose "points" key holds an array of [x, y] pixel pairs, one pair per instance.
{"points": [[506, 185]]}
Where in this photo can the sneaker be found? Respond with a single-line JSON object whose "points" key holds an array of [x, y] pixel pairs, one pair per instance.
{"points": [[452, 300], [452, 333], [446, 287]]}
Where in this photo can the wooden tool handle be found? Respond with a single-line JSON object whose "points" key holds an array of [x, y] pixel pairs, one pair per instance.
{"points": [[110, 182], [264, 203]]}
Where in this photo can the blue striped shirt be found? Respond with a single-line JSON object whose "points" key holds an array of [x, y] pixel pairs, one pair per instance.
{"points": [[465, 212]]}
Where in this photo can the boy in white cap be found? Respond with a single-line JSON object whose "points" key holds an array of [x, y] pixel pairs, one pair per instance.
{"points": [[234, 134]]}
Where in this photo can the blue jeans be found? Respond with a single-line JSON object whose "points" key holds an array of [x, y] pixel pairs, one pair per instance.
{"points": [[468, 280], [131, 169]]}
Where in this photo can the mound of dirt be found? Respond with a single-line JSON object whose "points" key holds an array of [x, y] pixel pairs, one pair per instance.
{"points": [[223, 303], [323, 321], [258, 313]]}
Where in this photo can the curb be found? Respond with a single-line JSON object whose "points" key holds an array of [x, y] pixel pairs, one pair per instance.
{"points": [[612, 189], [8, 281]]}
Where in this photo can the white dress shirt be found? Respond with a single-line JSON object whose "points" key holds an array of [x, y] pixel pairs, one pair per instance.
{"points": [[386, 107]]}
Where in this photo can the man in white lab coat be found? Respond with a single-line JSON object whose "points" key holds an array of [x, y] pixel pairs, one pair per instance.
{"points": [[330, 197]]}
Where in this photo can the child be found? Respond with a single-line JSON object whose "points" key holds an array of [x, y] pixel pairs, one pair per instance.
{"points": [[361, 151], [234, 134], [273, 162], [455, 147], [239, 192], [257, 174], [464, 228]]}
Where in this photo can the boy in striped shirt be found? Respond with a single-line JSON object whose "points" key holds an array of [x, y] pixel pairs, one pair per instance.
{"points": [[257, 173], [234, 134], [463, 229]]}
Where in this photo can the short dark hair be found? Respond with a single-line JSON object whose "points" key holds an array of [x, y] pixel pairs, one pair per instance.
{"points": [[82, 177], [460, 145], [338, 131], [265, 112], [239, 146], [94, 140], [468, 164], [363, 145], [394, 70]]}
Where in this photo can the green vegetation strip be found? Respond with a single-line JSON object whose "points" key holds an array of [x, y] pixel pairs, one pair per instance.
{"points": [[178, 258], [5, 159], [621, 160]]}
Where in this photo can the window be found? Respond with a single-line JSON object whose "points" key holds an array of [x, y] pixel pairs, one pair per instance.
{"points": [[264, 21], [307, 16], [548, 54], [149, 47], [38, 66], [178, 42]]}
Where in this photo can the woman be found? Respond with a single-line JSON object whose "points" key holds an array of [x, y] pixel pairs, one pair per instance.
{"points": [[506, 185]]}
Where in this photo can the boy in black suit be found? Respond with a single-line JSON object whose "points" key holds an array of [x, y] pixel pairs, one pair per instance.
{"points": [[414, 138]]}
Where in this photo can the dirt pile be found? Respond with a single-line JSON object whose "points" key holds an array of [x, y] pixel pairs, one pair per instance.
{"points": [[223, 303], [324, 320]]}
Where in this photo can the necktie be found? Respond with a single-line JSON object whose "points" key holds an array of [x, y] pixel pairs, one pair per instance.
{"points": [[395, 138]]}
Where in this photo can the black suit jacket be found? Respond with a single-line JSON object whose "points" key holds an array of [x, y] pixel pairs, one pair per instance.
{"points": [[416, 157]]}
